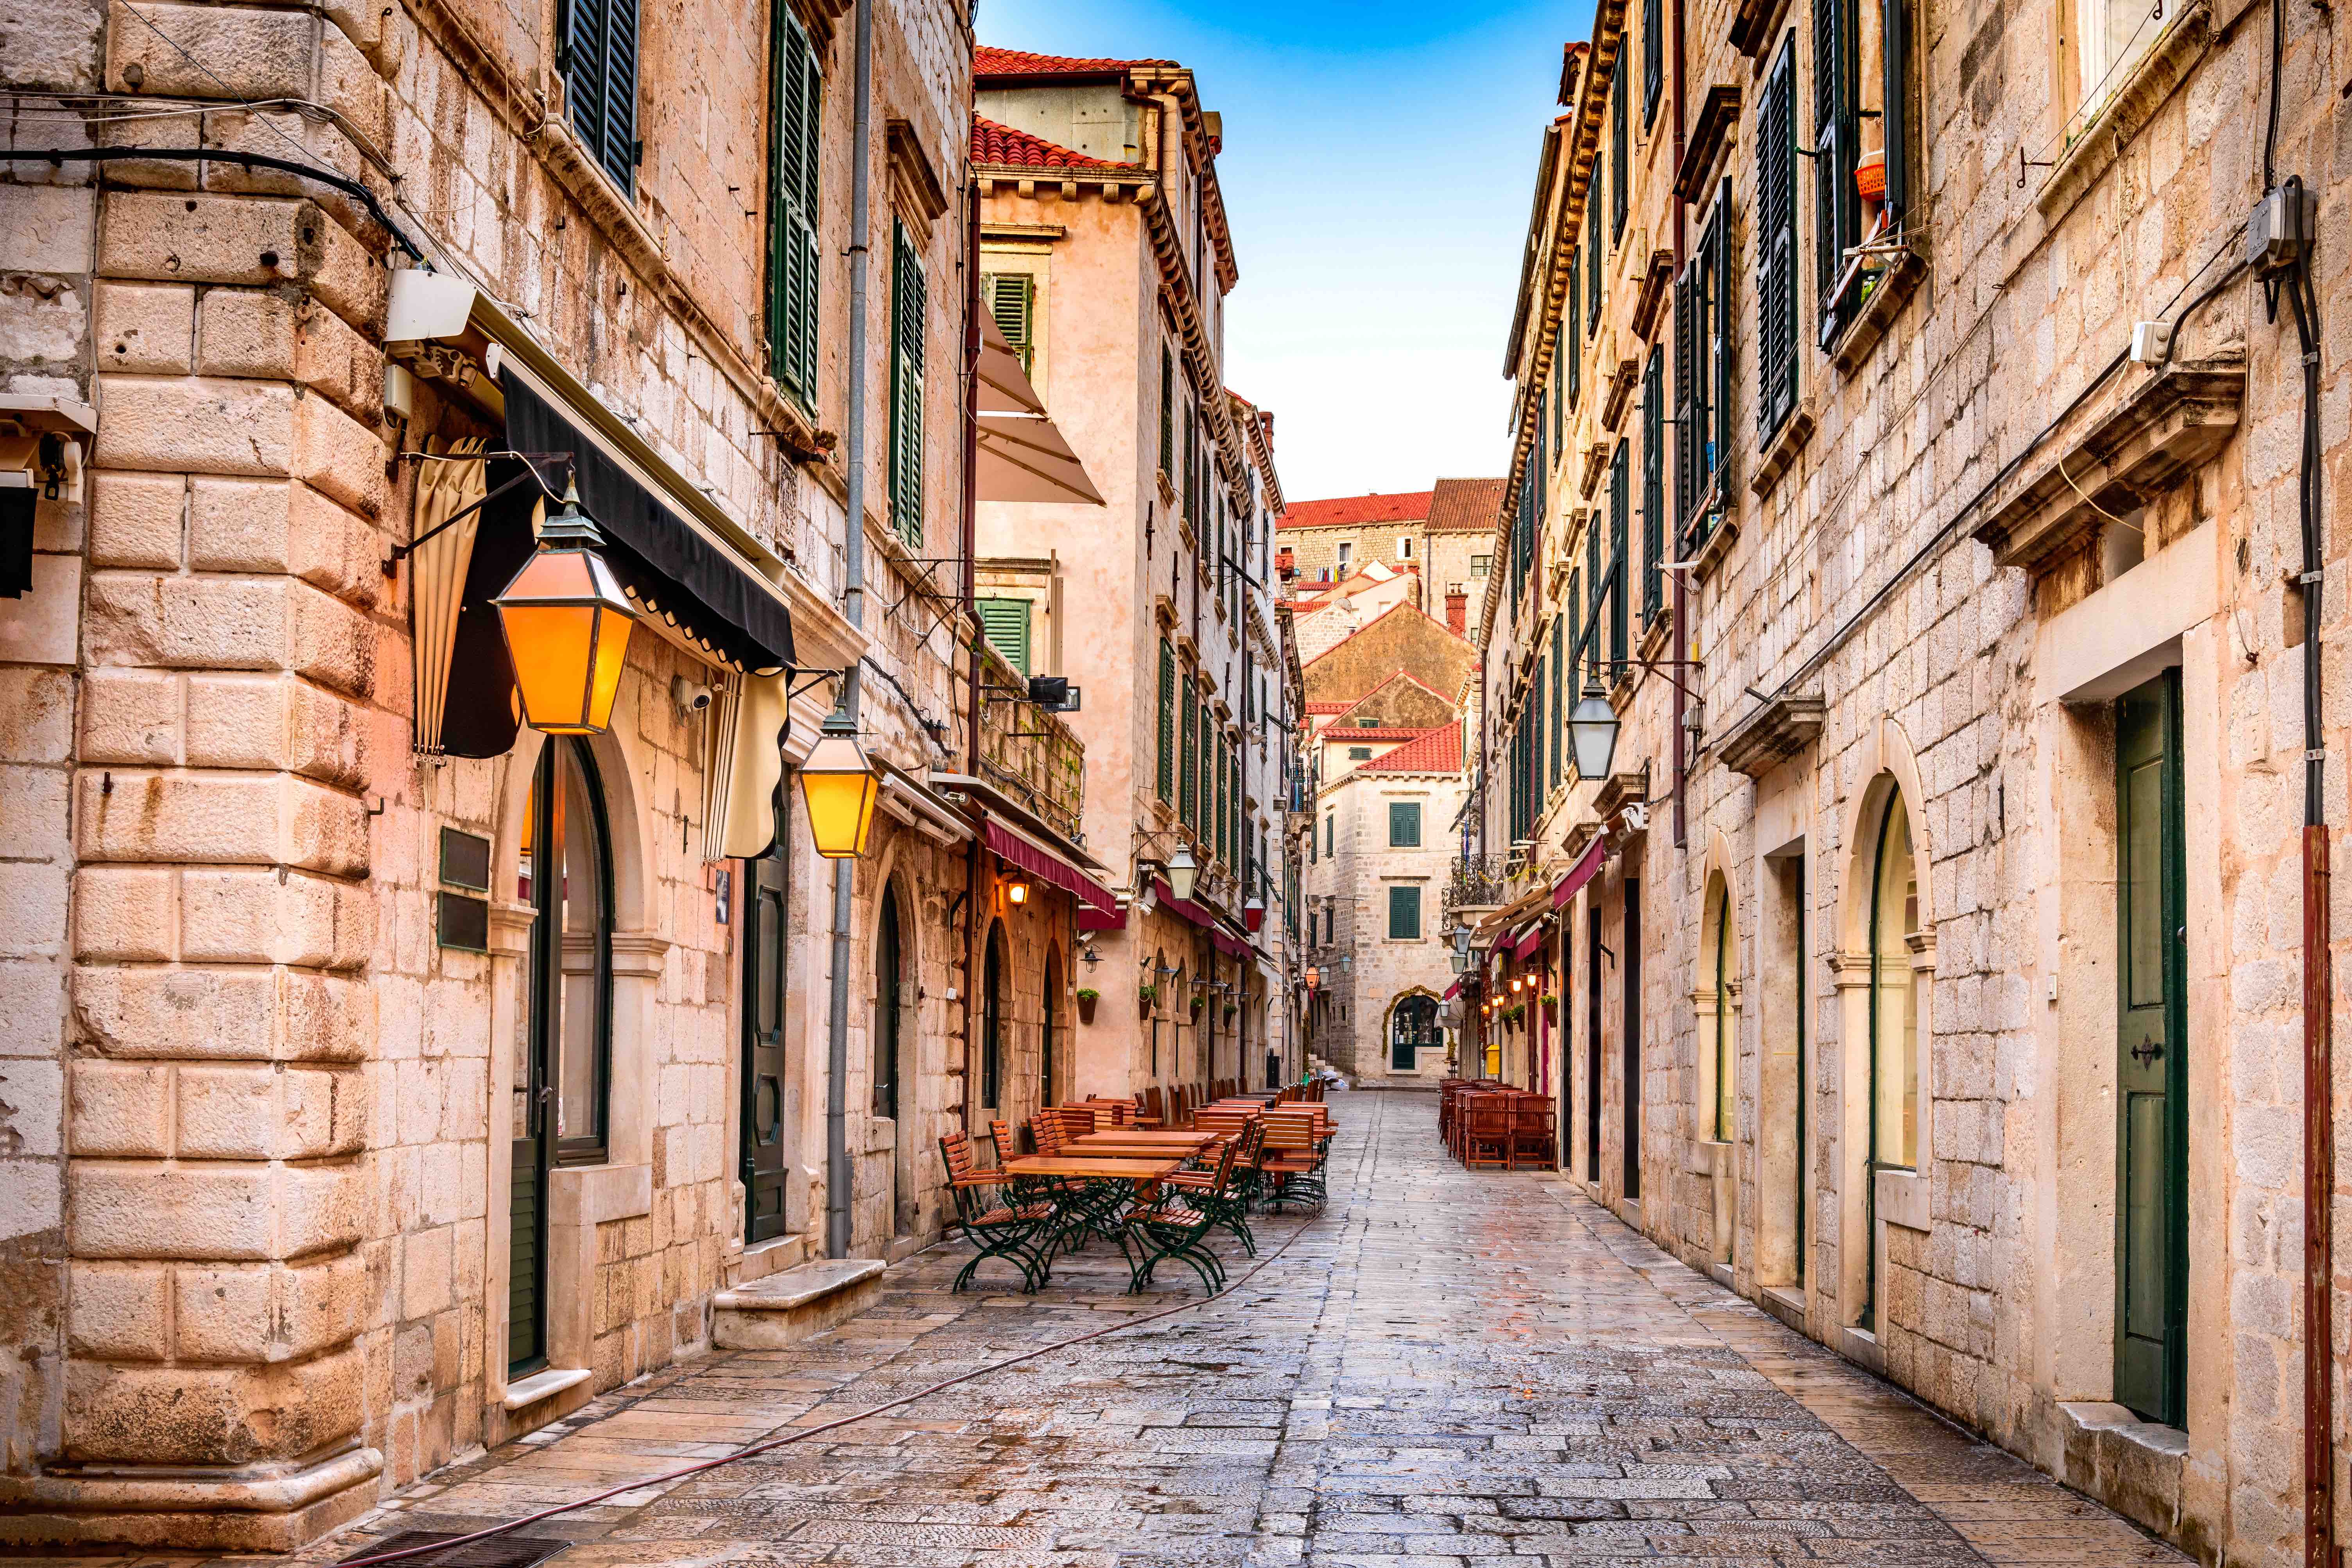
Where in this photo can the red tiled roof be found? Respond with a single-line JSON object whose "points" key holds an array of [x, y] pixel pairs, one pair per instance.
{"points": [[1329, 707], [994, 143], [1467, 506], [1377, 732], [1344, 512], [1437, 751], [1021, 65]]}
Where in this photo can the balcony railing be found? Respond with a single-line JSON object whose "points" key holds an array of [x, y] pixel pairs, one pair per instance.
{"points": [[1475, 882], [1029, 752]]}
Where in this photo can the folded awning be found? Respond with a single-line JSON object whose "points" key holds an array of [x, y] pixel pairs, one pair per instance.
{"points": [[1587, 867], [1528, 944], [1041, 861], [1228, 945], [671, 567], [1092, 918], [1022, 456], [1452, 992]]}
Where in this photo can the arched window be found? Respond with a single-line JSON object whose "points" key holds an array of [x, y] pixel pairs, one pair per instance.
{"points": [[1893, 1001], [888, 968], [567, 877], [992, 1018], [1727, 1080], [1413, 1025]]}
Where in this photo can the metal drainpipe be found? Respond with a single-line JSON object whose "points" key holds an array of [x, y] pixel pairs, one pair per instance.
{"points": [[853, 605], [1682, 579], [972, 341]]}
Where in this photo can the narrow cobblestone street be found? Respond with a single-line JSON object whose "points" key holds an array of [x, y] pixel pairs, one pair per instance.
{"points": [[1444, 1368]]}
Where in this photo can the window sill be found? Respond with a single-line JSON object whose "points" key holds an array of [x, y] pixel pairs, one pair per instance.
{"points": [[542, 1385], [1780, 454], [1877, 314], [2134, 104], [1712, 554]]}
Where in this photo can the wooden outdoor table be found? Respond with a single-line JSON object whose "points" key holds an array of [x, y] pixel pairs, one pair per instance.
{"points": [[1126, 1142], [1078, 1188], [1140, 1168]]}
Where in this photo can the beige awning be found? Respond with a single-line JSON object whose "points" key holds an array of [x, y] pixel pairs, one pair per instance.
{"points": [[1023, 458]]}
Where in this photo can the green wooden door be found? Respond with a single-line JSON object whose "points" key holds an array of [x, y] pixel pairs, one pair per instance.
{"points": [[2151, 1057], [766, 951]]}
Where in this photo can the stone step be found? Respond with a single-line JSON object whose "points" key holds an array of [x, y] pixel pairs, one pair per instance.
{"points": [[788, 1306]]}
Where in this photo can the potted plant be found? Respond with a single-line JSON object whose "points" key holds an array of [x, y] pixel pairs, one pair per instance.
{"points": [[1147, 997], [1198, 1003], [1231, 1008], [1087, 997]]}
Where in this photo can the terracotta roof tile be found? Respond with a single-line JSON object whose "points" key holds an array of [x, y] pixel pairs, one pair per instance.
{"points": [[1437, 751], [1342, 512], [1373, 732], [994, 143], [1021, 65], [1466, 505]]}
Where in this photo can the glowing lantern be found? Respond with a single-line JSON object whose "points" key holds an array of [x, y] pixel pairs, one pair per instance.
{"points": [[567, 627], [839, 786]]}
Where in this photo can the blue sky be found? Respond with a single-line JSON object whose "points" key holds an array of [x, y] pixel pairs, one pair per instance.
{"points": [[1379, 163]]}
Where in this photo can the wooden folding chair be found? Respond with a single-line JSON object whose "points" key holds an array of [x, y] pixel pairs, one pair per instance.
{"points": [[995, 1223]]}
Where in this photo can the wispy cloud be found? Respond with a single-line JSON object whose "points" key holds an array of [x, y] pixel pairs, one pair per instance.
{"points": [[1378, 161]]}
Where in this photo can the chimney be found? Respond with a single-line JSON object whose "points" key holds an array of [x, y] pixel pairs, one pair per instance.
{"points": [[1457, 612]]}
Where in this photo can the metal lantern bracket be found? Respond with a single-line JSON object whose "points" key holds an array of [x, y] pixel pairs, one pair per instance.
{"points": [[802, 679], [531, 461], [1663, 666]]}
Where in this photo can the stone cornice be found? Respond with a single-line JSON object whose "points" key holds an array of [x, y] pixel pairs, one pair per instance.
{"points": [[1770, 734]]}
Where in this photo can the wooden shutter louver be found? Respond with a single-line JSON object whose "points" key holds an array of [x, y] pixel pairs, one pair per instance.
{"points": [[1167, 413], [1189, 799], [1719, 348], [1569, 343], [1552, 730], [1837, 206], [1654, 486], [1687, 432], [600, 82], [796, 102], [1776, 243], [1619, 503], [910, 294], [1592, 263], [1619, 136], [1011, 299], [1166, 767], [1005, 624], [1653, 58]]}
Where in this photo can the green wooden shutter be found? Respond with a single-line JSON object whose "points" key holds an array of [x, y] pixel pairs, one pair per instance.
{"points": [[1404, 914], [1653, 58], [1010, 298], [1404, 824], [1570, 346], [1720, 351], [1776, 243], [1167, 413], [1619, 503], [1592, 262], [1188, 796], [1837, 204], [1005, 624], [795, 96], [1654, 486], [1620, 136], [909, 293], [1686, 474], [1558, 646], [1167, 778]]}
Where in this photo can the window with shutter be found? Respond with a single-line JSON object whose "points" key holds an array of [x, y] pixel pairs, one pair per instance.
{"points": [[1837, 206], [1619, 135], [1776, 243], [1405, 825], [1653, 58], [1619, 503], [1654, 486], [1592, 262], [1552, 727], [1687, 472], [1188, 798], [1572, 611], [1404, 914], [910, 312], [1011, 299], [795, 100], [1166, 414], [1005, 624], [599, 62], [1166, 768], [1717, 243]]}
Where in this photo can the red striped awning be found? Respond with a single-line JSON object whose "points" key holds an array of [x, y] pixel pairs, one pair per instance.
{"points": [[1587, 865], [1452, 992], [1528, 944], [1020, 850], [1092, 918]]}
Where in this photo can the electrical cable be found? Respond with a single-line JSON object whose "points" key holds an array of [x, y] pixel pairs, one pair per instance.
{"points": [[177, 48], [350, 187], [803, 1433]]}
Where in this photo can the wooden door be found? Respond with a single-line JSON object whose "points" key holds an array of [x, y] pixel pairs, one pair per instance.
{"points": [[887, 1000], [1632, 972], [2151, 1057], [534, 1081], [1593, 1073], [766, 930]]}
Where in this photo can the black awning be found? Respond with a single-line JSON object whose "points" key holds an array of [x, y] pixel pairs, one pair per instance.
{"points": [[656, 552]]}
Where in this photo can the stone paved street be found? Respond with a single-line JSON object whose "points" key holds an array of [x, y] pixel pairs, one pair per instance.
{"points": [[1443, 1369]]}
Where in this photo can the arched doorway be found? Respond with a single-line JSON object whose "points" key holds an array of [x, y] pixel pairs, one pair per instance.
{"points": [[562, 1082], [1052, 1015], [1894, 1024], [888, 969], [1412, 1026]]}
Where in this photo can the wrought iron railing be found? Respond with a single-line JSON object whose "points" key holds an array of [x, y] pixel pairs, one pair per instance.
{"points": [[1028, 752], [1475, 881]]}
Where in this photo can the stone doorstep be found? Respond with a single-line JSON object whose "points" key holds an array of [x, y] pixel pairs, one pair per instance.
{"points": [[2130, 1465], [788, 1306], [544, 1384]]}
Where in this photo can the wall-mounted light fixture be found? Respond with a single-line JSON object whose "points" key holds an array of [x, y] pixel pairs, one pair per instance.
{"points": [[567, 626], [839, 786]]}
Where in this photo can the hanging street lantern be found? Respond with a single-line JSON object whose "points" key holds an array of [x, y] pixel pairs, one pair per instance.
{"points": [[567, 626], [1253, 912], [1183, 874], [1461, 961], [1461, 939], [1017, 892], [839, 786], [1090, 957], [1592, 731]]}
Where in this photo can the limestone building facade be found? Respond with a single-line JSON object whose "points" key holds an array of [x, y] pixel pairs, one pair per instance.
{"points": [[1909, 454], [385, 1077]]}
